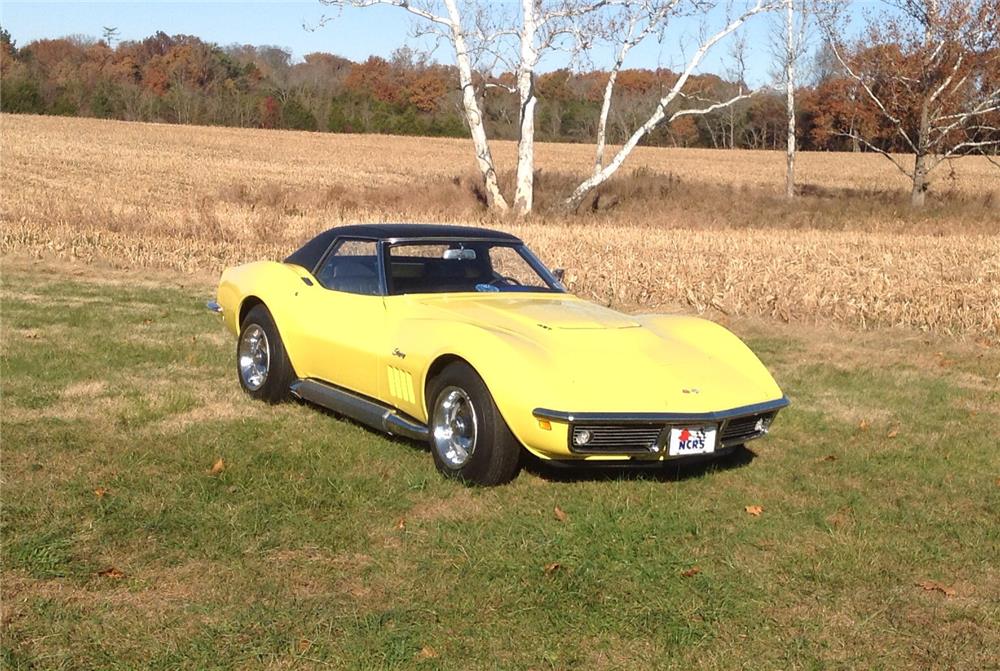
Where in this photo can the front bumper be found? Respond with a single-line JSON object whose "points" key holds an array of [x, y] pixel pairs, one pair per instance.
{"points": [[646, 434]]}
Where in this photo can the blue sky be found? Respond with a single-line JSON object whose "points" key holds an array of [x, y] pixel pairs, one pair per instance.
{"points": [[353, 33]]}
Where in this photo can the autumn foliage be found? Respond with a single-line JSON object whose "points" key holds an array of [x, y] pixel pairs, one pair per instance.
{"points": [[183, 79]]}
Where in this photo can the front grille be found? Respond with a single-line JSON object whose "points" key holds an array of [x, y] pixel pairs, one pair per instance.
{"points": [[742, 429], [652, 438], [616, 438]]}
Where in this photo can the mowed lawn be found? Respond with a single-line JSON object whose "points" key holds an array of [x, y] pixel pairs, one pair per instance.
{"points": [[320, 544]]}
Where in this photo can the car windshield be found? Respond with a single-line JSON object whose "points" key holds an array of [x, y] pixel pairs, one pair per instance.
{"points": [[474, 265]]}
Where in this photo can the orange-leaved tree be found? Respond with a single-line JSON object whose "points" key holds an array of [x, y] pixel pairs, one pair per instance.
{"points": [[927, 71]]}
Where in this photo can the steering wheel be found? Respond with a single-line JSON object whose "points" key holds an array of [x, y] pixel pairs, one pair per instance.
{"points": [[509, 280]]}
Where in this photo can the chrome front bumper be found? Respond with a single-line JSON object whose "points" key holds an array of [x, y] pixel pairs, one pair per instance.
{"points": [[630, 434]]}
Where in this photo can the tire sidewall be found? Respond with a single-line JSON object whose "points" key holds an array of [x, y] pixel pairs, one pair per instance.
{"points": [[276, 385], [496, 454]]}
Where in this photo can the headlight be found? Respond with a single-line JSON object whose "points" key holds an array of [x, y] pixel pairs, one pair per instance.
{"points": [[762, 425]]}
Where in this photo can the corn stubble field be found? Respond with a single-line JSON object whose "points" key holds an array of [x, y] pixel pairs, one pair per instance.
{"points": [[154, 517], [700, 228]]}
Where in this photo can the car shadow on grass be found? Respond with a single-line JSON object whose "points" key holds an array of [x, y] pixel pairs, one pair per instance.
{"points": [[666, 471], [552, 471]]}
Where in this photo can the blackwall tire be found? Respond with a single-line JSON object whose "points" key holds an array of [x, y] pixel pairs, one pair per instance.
{"points": [[469, 440], [262, 365]]}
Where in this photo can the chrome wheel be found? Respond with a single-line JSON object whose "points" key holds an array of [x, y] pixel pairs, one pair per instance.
{"points": [[454, 427], [254, 357]]}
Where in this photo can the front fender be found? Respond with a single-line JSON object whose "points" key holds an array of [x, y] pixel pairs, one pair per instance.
{"points": [[275, 284], [708, 336], [509, 363]]}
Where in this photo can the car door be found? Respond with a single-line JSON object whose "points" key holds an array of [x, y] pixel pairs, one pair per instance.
{"points": [[343, 318]]}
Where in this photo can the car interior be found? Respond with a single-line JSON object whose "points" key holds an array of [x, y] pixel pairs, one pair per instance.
{"points": [[351, 274], [454, 269]]}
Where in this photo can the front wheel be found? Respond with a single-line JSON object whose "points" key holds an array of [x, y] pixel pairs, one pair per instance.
{"points": [[261, 362], [469, 438]]}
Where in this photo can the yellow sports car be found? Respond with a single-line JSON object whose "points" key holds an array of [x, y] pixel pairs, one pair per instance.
{"points": [[462, 338]]}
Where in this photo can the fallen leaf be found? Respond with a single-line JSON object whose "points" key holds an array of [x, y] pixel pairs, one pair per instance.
{"points": [[304, 644], [101, 492], [864, 424], [552, 568], [111, 572], [933, 586], [691, 572], [839, 518], [559, 513], [829, 457], [401, 524], [427, 652], [944, 361], [754, 510], [893, 432], [217, 467]]}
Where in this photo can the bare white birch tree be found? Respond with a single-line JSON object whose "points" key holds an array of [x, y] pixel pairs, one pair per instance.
{"points": [[661, 113], [517, 41], [930, 70], [788, 46], [520, 40], [633, 24], [790, 97], [449, 26], [543, 25]]}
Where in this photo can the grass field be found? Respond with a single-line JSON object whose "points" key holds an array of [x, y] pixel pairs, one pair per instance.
{"points": [[319, 544], [153, 516], [701, 229]]}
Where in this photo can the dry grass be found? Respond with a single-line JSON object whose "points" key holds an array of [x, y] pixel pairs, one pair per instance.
{"points": [[293, 555], [696, 227]]}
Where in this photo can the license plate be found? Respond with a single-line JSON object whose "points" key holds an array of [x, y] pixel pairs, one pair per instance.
{"points": [[686, 440]]}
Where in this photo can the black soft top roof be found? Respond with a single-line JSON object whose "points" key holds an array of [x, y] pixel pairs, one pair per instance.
{"points": [[310, 253]]}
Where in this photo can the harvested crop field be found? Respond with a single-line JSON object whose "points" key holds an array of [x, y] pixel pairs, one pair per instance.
{"points": [[698, 228]]}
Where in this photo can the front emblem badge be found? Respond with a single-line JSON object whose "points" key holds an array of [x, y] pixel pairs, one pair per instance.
{"points": [[396, 352]]}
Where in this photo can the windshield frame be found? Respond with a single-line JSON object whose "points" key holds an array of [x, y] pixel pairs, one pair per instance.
{"points": [[554, 286]]}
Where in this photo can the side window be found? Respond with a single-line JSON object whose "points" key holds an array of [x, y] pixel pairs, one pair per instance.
{"points": [[513, 269], [351, 267]]}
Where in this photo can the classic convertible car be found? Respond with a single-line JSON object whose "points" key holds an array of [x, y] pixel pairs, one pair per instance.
{"points": [[462, 338]]}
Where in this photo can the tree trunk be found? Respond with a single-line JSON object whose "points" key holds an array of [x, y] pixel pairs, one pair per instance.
{"points": [[790, 98], [524, 192], [920, 163], [602, 124], [919, 192], [660, 113], [473, 115]]}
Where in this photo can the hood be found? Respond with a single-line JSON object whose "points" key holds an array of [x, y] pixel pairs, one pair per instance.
{"points": [[597, 359], [527, 314]]}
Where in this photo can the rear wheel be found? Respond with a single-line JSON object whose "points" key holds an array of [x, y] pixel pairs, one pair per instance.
{"points": [[261, 361], [469, 438]]}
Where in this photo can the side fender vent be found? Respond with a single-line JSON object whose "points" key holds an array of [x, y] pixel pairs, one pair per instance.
{"points": [[401, 385]]}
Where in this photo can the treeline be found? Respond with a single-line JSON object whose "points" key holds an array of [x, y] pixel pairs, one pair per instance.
{"points": [[183, 79]]}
